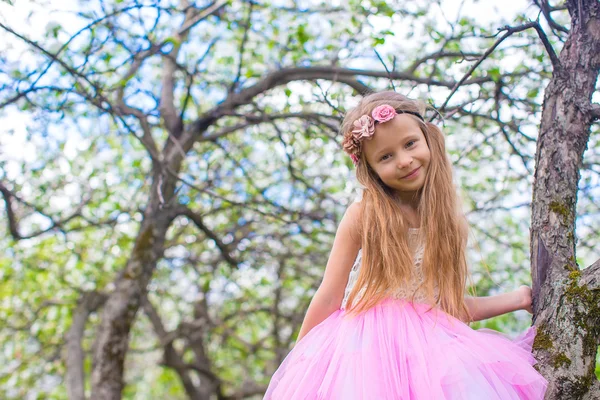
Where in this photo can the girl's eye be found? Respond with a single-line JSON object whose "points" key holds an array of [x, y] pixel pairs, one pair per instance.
{"points": [[411, 143], [385, 157]]}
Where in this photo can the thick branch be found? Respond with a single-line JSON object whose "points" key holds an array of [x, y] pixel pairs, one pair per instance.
{"points": [[75, 379], [283, 76], [333, 73], [252, 120], [167, 103], [12, 222], [591, 276], [595, 111]]}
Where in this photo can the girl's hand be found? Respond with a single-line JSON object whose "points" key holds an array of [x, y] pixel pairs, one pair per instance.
{"points": [[524, 298]]}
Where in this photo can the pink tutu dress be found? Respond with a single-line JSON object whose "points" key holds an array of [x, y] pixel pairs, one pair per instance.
{"points": [[403, 349]]}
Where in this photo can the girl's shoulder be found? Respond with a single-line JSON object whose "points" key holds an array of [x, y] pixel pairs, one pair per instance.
{"points": [[352, 219], [353, 211]]}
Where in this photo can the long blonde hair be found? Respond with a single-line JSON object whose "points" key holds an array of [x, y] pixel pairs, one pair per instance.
{"points": [[387, 262]]}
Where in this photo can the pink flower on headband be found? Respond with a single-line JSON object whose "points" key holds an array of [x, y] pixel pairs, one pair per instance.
{"points": [[364, 128], [383, 113], [354, 158]]}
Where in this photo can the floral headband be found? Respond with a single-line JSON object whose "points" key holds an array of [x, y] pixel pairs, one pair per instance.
{"points": [[364, 128]]}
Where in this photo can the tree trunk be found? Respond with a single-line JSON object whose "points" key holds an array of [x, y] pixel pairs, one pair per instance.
{"points": [[566, 299], [118, 314]]}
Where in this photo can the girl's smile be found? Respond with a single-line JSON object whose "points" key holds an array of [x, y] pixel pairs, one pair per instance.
{"points": [[413, 174]]}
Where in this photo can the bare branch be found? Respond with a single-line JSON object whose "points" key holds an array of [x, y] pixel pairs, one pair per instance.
{"points": [[146, 139], [171, 357], [325, 94], [13, 224], [201, 15], [19, 95], [279, 210], [199, 222], [12, 220], [235, 82], [386, 69], [509, 31], [190, 77], [441, 54], [547, 10], [96, 98]]}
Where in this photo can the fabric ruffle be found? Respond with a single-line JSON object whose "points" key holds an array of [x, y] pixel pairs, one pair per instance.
{"points": [[399, 350]]}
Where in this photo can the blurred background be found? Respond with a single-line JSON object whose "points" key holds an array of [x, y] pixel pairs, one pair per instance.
{"points": [[223, 117]]}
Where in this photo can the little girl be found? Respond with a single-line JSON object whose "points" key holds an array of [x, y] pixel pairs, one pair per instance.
{"points": [[388, 320]]}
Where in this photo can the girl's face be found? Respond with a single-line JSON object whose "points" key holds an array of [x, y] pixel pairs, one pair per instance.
{"points": [[399, 154]]}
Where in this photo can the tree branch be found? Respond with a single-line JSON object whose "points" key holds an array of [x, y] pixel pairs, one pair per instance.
{"points": [[386, 69], [201, 15], [595, 111], [286, 75], [438, 55], [252, 120], [547, 45], [509, 31], [75, 378], [172, 358], [19, 95], [235, 82], [166, 105], [591, 276], [198, 221], [547, 10], [13, 224], [96, 98]]}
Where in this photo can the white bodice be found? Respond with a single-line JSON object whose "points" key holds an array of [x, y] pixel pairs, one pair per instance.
{"points": [[406, 291]]}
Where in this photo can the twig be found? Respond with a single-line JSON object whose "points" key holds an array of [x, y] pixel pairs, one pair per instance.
{"points": [[509, 31], [386, 69]]}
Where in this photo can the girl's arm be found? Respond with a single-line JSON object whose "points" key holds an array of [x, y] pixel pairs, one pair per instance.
{"points": [[330, 293], [492, 306]]}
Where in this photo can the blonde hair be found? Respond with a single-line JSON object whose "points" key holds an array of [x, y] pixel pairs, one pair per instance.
{"points": [[387, 262]]}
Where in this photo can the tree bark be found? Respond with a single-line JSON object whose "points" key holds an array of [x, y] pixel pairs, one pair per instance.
{"points": [[566, 302], [112, 337], [75, 378]]}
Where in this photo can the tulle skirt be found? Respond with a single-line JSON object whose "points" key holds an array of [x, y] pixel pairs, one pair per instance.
{"points": [[399, 350]]}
